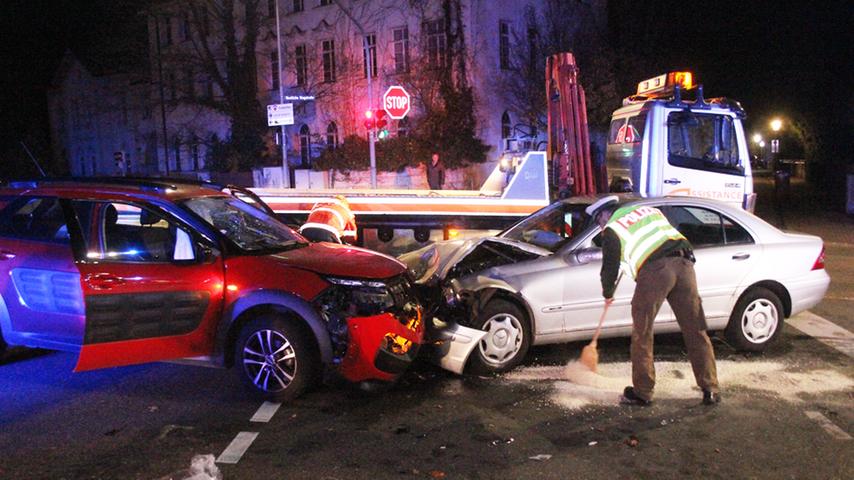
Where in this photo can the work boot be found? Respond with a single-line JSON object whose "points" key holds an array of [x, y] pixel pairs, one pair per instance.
{"points": [[711, 398], [629, 397]]}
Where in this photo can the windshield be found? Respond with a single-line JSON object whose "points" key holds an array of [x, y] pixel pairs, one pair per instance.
{"points": [[550, 228], [245, 225]]}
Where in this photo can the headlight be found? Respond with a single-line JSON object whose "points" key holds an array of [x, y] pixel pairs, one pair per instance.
{"points": [[349, 282]]}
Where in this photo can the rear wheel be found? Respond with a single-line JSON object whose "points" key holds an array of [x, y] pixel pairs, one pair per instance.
{"points": [[756, 320], [507, 339], [275, 358]]}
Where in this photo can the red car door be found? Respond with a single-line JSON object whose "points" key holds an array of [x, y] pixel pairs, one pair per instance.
{"points": [[152, 290], [39, 282]]}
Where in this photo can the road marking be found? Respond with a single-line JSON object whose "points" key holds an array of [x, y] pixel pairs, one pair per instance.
{"points": [[831, 428], [237, 448], [266, 412], [824, 331], [834, 297]]}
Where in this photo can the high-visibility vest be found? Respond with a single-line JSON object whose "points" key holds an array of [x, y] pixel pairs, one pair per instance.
{"points": [[334, 216], [641, 230]]}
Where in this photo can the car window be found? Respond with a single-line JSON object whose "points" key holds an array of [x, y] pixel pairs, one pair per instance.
{"points": [[615, 129], [703, 142], [551, 227], [35, 218], [703, 227], [123, 232]]}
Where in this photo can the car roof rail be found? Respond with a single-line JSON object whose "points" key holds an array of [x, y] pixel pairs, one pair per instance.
{"points": [[153, 183]]}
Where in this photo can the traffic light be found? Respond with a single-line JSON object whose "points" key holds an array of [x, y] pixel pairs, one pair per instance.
{"points": [[369, 120], [381, 120]]}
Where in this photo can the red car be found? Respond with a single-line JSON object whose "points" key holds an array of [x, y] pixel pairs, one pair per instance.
{"points": [[129, 271]]}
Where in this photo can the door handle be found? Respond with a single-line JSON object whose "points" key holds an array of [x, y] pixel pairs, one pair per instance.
{"points": [[104, 281], [673, 181], [741, 256], [6, 255]]}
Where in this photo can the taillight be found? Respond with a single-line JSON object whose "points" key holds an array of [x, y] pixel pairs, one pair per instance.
{"points": [[819, 262]]}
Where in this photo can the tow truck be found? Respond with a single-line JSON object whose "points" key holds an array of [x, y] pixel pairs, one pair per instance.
{"points": [[660, 143]]}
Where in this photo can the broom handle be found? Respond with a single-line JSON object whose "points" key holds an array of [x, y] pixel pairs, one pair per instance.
{"points": [[605, 312]]}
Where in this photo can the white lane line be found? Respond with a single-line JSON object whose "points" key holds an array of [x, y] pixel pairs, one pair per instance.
{"points": [[237, 448], [824, 331], [831, 428], [266, 412]]}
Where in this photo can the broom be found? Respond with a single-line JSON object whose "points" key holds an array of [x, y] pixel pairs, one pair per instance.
{"points": [[589, 354]]}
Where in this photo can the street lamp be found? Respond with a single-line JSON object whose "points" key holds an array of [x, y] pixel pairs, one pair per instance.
{"points": [[776, 124], [757, 138]]}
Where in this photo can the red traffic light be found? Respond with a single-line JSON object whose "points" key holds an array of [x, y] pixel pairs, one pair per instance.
{"points": [[369, 119], [381, 120]]}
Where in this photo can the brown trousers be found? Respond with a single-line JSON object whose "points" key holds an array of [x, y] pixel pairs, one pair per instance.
{"points": [[670, 278]]}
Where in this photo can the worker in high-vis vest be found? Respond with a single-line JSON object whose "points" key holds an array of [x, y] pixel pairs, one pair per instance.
{"points": [[330, 221], [641, 241]]}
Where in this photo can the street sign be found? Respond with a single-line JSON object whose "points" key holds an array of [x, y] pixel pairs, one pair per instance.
{"points": [[396, 102], [775, 146], [280, 114]]}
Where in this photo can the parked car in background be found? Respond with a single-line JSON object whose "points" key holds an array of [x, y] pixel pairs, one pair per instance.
{"points": [[129, 271], [538, 281]]}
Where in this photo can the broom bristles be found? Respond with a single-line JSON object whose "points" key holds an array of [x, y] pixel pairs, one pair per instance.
{"points": [[590, 357]]}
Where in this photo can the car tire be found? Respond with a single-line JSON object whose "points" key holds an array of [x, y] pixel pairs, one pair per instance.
{"points": [[507, 339], [275, 358], [756, 320]]}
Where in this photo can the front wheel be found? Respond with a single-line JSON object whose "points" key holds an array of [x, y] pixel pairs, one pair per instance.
{"points": [[508, 336], [756, 320], [275, 358]]}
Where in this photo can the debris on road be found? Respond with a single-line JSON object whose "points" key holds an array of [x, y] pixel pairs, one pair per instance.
{"points": [[632, 441], [541, 457], [503, 441], [593, 443]]}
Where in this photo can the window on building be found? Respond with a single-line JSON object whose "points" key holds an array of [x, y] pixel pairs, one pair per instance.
{"points": [[401, 49], [369, 44], [403, 127], [176, 148], [190, 83], [504, 45], [326, 2], [301, 65], [274, 70], [305, 145], [332, 135], [194, 154], [204, 21], [506, 127], [206, 90], [185, 26], [437, 43], [533, 48], [172, 86], [271, 8], [298, 6], [328, 48], [166, 33]]}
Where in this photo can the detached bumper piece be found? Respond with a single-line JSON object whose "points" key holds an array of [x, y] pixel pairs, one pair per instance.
{"points": [[381, 347]]}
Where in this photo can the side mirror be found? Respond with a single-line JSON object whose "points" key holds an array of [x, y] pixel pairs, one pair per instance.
{"points": [[585, 255]]}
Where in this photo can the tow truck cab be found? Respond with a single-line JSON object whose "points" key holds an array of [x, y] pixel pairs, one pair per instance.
{"points": [[662, 144]]}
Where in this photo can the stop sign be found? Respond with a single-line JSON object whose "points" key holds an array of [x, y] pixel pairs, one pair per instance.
{"points": [[396, 102]]}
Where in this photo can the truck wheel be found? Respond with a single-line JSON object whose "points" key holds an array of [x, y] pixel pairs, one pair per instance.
{"points": [[756, 320], [508, 336], [275, 358]]}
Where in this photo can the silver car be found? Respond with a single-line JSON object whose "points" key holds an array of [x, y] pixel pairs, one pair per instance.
{"points": [[538, 282]]}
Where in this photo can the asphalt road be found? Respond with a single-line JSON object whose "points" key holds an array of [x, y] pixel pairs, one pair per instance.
{"points": [[786, 413]]}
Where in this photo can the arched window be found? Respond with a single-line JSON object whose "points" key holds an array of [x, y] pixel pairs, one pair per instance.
{"points": [[332, 135], [506, 128], [304, 145], [403, 127]]}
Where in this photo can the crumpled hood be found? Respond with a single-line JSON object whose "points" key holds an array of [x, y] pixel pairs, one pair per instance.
{"points": [[342, 260], [431, 263]]}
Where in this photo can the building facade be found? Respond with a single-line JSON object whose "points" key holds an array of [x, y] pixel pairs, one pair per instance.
{"points": [[322, 69], [101, 121]]}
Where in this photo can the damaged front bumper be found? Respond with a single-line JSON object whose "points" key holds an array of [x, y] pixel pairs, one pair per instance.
{"points": [[452, 344], [381, 347]]}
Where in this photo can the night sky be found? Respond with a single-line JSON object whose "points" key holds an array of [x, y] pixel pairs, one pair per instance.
{"points": [[778, 58]]}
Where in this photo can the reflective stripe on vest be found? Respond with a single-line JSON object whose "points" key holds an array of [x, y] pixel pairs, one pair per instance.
{"points": [[641, 231]]}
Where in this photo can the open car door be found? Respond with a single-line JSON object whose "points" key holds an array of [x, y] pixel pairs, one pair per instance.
{"points": [[152, 290]]}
